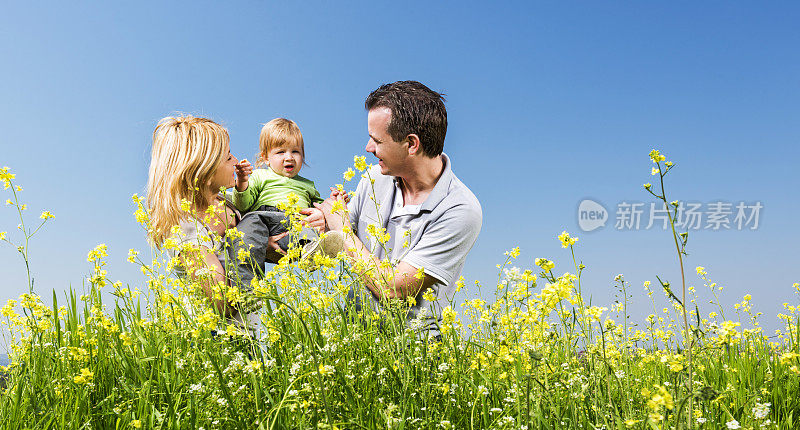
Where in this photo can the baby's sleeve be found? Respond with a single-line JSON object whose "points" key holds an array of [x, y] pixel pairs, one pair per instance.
{"points": [[314, 195], [244, 200]]}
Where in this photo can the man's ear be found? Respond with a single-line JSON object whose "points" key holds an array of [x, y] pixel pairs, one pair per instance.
{"points": [[414, 145]]}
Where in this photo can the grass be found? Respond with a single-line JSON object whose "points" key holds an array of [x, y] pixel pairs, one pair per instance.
{"points": [[533, 356]]}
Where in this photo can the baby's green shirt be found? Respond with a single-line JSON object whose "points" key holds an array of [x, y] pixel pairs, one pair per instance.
{"points": [[269, 188]]}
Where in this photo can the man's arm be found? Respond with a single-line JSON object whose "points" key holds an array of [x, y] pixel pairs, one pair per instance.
{"points": [[384, 281]]}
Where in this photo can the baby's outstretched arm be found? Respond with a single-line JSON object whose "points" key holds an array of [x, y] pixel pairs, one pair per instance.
{"points": [[243, 171]]}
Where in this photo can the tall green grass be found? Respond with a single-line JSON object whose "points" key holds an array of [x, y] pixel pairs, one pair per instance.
{"points": [[533, 356]]}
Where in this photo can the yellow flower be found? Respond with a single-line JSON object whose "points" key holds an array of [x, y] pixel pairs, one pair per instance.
{"points": [[545, 264], [701, 271], [137, 424], [97, 253], [661, 398], [84, 377], [788, 357], [655, 171], [348, 175], [126, 339], [46, 215], [2, 235], [325, 370], [448, 316], [566, 240], [132, 253], [337, 207], [656, 156], [360, 163], [6, 177], [140, 215], [595, 312]]}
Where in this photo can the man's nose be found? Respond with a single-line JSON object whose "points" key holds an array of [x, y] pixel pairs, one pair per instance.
{"points": [[370, 147]]}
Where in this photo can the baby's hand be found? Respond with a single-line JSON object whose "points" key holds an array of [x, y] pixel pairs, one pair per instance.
{"points": [[337, 194], [243, 171]]}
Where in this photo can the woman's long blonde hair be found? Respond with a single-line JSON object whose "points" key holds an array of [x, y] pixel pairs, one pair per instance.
{"points": [[186, 153]]}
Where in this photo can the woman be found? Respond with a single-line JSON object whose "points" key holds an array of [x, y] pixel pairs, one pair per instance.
{"points": [[191, 162]]}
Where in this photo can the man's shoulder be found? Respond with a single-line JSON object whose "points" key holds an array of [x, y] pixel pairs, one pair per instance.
{"points": [[460, 205], [460, 194]]}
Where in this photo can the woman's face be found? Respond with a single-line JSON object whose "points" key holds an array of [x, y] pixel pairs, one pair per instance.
{"points": [[224, 176]]}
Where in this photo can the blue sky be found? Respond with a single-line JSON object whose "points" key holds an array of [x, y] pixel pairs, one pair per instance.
{"points": [[549, 103]]}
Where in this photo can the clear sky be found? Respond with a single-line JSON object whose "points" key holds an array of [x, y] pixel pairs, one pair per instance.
{"points": [[549, 103]]}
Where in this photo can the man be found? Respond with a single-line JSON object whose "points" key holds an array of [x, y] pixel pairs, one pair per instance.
{"points": [[432, 219]]}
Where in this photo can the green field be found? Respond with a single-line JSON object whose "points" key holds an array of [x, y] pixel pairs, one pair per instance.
{"points": [[531, 355]]}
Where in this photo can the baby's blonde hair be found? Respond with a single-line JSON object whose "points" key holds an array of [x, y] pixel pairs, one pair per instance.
{"points": [[186, 153], [275, 134]]}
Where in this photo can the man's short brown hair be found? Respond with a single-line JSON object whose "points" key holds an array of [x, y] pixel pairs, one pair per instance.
{"points": [[416, 109]]}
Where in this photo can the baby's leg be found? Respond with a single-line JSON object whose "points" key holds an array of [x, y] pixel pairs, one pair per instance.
{"points": [[277, 223], [249, 253]]}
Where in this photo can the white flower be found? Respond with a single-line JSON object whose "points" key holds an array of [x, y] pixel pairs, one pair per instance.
{"points": [[733, 424], [761, 410], [701, 420]]}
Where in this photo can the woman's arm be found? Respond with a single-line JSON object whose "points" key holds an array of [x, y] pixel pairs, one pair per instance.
{"points": [[208, 275]]}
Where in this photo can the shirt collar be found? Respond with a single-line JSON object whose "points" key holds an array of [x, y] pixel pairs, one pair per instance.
{"points": [[439, 191]]}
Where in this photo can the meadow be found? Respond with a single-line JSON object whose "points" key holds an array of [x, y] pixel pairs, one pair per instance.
{"points": [[528, 353]]}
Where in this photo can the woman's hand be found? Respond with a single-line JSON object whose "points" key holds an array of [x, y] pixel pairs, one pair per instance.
{"points": [[274, 251]]}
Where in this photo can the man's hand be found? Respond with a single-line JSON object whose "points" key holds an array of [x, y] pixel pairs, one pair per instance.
{"points": [[314, 218], [334, 209], [243, 171]]}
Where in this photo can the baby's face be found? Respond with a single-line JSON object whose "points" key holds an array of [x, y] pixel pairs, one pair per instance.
{"points": [[286, 160]]}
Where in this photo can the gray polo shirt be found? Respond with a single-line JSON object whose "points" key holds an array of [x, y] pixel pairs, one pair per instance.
{"points": [[435, 236]]}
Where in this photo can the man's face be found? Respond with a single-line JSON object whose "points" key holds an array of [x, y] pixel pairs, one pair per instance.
{"points": [[391, 155]]}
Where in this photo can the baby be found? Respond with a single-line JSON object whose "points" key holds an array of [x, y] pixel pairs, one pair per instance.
{"points": [[259, 192]]}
